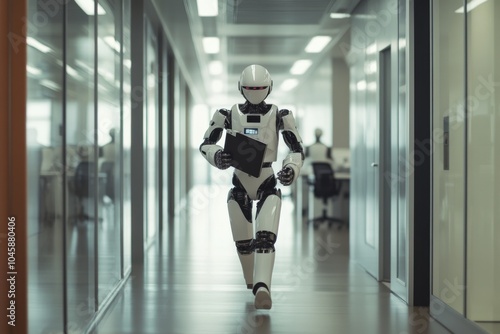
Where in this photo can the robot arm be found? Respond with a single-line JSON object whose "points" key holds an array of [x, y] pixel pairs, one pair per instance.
{"points": [[214, 153], [293, 162]]}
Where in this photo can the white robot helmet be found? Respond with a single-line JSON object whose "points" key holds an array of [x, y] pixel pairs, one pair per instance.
{"points": [[255, 83]]}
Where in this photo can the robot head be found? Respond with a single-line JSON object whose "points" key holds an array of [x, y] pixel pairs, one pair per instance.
{"points": [[318, 133], [255, 84]]}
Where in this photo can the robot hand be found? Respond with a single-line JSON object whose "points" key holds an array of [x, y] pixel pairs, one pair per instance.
{"points": [[222, 159], [286, 176]]}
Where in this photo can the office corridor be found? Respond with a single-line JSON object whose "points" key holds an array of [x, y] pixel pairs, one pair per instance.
{"points": [[192, 283]]}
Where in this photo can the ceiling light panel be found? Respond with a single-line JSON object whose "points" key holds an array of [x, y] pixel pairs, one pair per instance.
{"points": [[215, 67], [317, 44], [88, 7], [211, 45], [339, 15], [207, 7], [289, 84], [38, 45], [300, 66]]}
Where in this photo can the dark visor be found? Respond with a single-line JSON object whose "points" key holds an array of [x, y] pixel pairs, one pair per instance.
{"points": [[255, 88]]}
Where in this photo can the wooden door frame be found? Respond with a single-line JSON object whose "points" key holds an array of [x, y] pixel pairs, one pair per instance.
{"points": [[13, 191]]}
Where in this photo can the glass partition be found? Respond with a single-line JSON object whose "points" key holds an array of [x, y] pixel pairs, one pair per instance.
{"points": [[109, 46], [81, 167], [151, 115], [126, 138], [76, 159], [45, 168]]}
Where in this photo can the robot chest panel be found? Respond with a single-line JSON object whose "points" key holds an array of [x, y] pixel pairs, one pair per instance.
{"points": [[259, 127]]}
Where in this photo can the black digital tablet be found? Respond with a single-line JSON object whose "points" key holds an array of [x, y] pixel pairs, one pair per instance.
{"points": [[247, 153]]}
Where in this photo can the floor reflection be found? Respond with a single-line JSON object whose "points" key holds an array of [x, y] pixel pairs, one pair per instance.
{"points": [[192, 283]]}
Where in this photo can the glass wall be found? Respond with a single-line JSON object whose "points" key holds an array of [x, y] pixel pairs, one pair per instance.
{"points": [[466, 149], [78, 159], [108, 66], [126, 127], [151, 148], [46, 172], [80, 148]]}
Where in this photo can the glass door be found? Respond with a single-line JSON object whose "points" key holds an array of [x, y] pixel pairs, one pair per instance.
{"points": [[82, 216], [151, 148], [109, 47], [46, 170], [400, 216]]}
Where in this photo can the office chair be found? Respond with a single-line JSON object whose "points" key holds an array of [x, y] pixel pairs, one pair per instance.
{"points": [[325, 187]]}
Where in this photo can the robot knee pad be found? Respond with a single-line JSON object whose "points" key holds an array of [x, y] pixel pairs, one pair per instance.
{"points": [[239, 196], [245, 246], [264, 242]]}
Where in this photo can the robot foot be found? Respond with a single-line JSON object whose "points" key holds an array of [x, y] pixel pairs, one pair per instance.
{"points": [[263, 299]]}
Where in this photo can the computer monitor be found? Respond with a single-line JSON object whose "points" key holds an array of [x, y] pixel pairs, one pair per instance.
{"points": [[342, 158]]}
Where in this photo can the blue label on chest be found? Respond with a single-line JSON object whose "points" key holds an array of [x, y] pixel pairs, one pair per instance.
{"points": [[251, 131]]}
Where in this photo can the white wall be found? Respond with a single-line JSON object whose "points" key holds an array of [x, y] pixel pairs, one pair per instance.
{"points": [[483, 161], [448, 185], [340, 103]]}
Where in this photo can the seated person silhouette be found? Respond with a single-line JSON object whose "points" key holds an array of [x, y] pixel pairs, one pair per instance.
{"points": [[107, 165]]}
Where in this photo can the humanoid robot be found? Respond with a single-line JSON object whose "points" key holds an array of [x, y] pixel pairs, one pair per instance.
{"points": [[318, 152], [263, 122]]}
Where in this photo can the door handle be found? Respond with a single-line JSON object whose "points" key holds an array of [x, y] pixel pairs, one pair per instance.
{"points": [[374, 164]]}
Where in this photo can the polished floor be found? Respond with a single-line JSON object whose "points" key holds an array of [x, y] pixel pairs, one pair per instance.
{"points": [[191, 283]]}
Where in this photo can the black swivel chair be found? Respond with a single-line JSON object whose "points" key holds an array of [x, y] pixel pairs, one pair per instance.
{"points": [[326, 187]]}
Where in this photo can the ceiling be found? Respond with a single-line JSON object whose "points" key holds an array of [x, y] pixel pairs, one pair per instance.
{"points": [[272, 33]]}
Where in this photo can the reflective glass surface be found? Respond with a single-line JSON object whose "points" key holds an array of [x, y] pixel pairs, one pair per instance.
{"points": [[109, 46], [81, 161], [45, 167], [151, 134]]}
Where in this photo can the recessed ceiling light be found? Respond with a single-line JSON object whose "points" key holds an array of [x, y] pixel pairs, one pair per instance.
{"points": [[33, 70], [217, 86], [113, 43], [207, 7], [317, 44], [289, 84], [211, 44], [300, 66], [361, 85], [38, 45], [88, 7], [50, 84], [339, 15], [215, 67]]}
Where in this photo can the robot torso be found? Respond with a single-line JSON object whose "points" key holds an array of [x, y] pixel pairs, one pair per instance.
{"points": [[261, 127]]}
